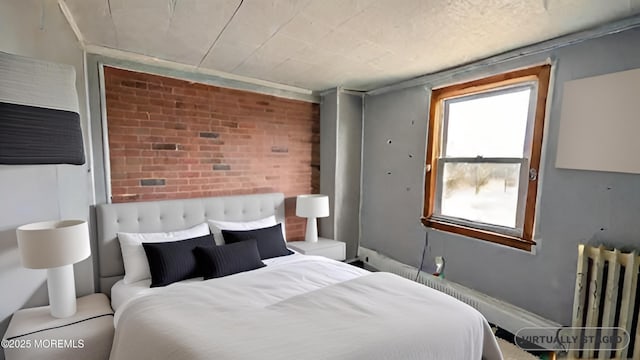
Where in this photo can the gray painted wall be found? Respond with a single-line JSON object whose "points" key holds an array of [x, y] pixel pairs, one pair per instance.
{"points": [[574, 206], [328, 146], [395, 125], [95, 99], [43, 192], [348, 156], [340, 155]]}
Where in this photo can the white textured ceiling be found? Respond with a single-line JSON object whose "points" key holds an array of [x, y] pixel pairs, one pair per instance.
{"points": [[319, 44]]}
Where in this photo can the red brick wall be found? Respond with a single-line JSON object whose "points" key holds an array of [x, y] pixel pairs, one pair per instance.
{"points": [[172, 139]]}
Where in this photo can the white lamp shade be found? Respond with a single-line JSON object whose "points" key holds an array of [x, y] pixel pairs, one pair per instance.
{"points": [[53, 244], [312, 206]]}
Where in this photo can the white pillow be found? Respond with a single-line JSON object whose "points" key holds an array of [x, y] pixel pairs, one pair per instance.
{"points": [[217, 226], [136, 265]]}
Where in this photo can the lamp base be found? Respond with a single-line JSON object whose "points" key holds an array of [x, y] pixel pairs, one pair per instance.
{"points": [[312, 230], [62, 291]]}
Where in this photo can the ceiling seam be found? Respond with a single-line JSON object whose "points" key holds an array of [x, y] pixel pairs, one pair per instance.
{"points": [[334, 29], [283, 25], [72, 23], [266, 41], [221, 32], [173, 4], [172, 11], [42, 15], [141, 59], [280, 28], [115, 28]]}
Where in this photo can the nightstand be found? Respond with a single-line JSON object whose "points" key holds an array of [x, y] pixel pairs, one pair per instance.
{"points": [[332, 249], [88, 334]]}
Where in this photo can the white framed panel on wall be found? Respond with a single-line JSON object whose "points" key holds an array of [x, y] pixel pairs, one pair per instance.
{"points": [[600, 123]]}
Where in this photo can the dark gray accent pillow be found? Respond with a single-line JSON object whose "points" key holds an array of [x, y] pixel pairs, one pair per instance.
{"points": [[223, 260], [270, 241], [174, 260]]}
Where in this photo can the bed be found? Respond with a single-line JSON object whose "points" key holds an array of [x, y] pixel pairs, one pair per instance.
{"points": [[296, 307]]}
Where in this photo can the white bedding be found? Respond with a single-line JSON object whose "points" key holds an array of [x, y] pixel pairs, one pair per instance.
{"points": [[301, 307], [122, 292]]}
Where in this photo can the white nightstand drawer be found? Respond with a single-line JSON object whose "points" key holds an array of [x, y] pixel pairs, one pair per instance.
{"points": [[331, 249], [88, 334]]}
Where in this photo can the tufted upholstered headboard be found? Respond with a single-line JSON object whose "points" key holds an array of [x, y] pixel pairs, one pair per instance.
{"points": [[168, 215]]}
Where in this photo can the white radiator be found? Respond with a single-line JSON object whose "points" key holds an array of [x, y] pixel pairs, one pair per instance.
{"points": [[606, 295], [500, 313]]}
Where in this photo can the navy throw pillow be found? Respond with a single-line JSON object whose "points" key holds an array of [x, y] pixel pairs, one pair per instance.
{"points": [[223, 260], [270, 241], [174, 260]]}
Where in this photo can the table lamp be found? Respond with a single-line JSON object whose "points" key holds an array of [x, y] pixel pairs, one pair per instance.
{"points": [[312, 207], [56, 246]]}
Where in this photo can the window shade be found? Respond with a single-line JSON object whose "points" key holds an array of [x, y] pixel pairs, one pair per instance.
{"points": [[39, 116]]}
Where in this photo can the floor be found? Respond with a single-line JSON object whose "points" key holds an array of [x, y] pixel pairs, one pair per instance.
{"points": [[512, 352]]}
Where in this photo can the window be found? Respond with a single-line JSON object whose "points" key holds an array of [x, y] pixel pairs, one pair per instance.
{"points": [[483, 156]]}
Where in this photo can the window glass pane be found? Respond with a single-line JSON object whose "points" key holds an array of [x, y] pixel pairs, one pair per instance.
{"points": [[481, 192], [488, 126]]}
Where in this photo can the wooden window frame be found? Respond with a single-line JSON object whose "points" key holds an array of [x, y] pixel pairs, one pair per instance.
{"points": [[540, 74]]}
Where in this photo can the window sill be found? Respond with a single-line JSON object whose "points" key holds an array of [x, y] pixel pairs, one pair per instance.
{"points": [[490, 236]]}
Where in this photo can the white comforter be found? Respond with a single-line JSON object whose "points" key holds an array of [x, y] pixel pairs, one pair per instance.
{"points": [[304, 307]]}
